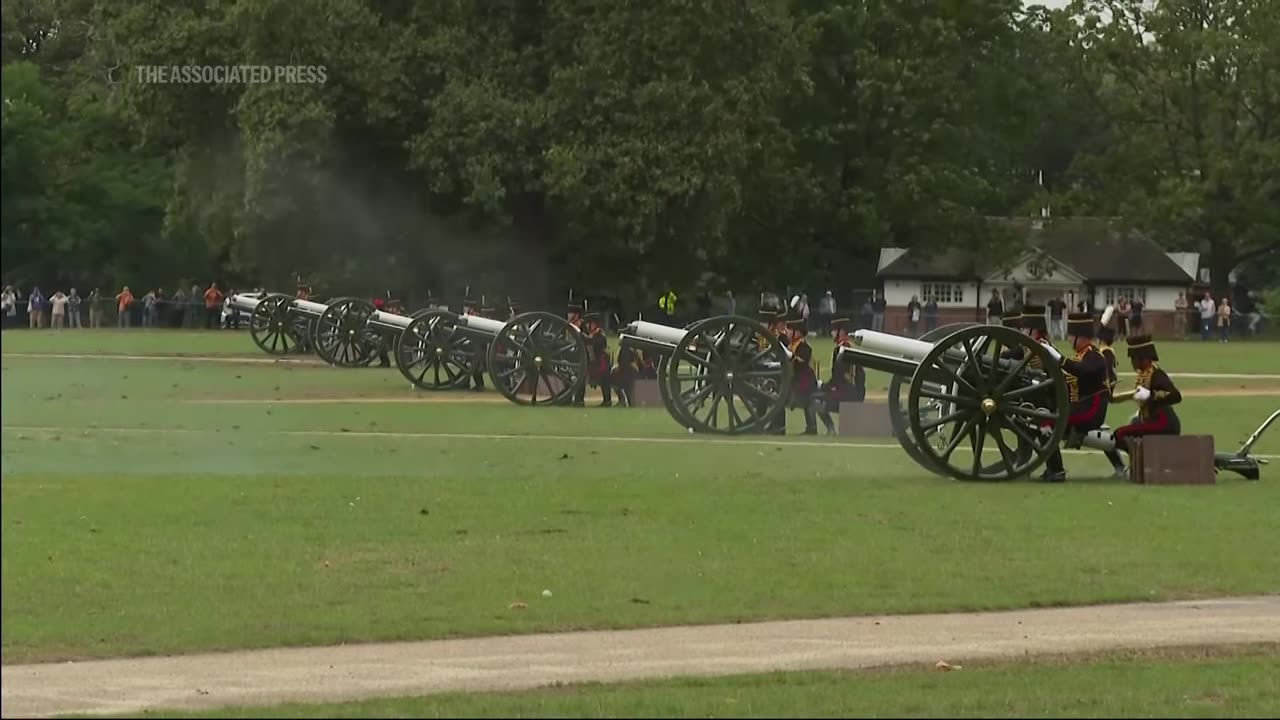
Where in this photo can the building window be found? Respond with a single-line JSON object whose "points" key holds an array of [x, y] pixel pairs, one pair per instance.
{"points": [[1133, 293], [942, 292]]}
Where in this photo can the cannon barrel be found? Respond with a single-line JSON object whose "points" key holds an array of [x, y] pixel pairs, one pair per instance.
{"points": [[876, 350], [391, 321], [245, 302], [480, 327], [310, 307]]}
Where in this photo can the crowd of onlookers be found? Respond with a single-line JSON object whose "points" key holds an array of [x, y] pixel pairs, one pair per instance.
{"points": [[208, 307]]}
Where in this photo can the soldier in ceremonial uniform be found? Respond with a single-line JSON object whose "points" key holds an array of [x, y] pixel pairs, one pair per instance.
{"points": [[804, 382], [1156, 395], [1106, 338], [848, 381], [1086, 375], [598, 364], [622, 379], [380, 304], [470, 306], [776, 324]]}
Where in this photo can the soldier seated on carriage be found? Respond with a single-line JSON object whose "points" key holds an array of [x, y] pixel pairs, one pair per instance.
{"points": [[848, 381], [1155, 394]]}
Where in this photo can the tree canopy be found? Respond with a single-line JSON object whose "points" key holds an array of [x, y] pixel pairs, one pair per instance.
{"points": [[529, 146]]}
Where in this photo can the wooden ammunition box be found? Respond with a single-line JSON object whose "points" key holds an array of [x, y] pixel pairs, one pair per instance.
{"points": [[1172, 460]]}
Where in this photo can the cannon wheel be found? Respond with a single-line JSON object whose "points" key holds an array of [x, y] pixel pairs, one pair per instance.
{"points": [[432, 355], [981, 399], [674, 409], [538, 359], [738, 365], [898, 403], [343, 336], [272, 327]]}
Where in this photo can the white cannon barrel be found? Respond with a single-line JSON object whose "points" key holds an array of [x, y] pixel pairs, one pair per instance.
{"points": [[308, 306], [887, 344], [245, 302], [390, 319], [656, 332], [482, 324]]}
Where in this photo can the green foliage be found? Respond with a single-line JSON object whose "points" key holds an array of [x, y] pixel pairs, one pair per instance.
{"points": [[529, 146]]}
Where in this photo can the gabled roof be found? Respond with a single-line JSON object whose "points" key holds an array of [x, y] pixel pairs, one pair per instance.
{"points": [[1099, 249]]}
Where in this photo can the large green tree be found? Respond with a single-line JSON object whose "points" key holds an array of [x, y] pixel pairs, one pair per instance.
{"points": [[1190, 90]]}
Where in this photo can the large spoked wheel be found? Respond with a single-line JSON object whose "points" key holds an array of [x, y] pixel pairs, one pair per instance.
{"points": [[538, 359], [729, 375], [432, 354], [897, 399], [343, 336], [676, 411], [272, 328], [987, 404]]}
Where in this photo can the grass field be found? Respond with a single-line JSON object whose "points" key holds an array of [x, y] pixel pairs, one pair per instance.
{"points": [[172, 506], [1180, 683]]}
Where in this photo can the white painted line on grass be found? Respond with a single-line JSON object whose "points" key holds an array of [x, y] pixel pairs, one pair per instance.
{"points": [[185, 358], [696, 439]]}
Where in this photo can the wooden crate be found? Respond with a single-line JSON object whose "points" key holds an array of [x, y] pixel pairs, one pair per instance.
{"points": [[645, 394], [1172, 460], [865, 420]]}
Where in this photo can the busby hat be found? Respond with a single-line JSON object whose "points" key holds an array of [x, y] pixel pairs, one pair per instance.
{"points": [[1141, 348], [574, 306], [485, 306], [1033, 318], [1011, 319], [1107, 334], [767, 315], [1080, 324], [467, 299], [839, 322]]}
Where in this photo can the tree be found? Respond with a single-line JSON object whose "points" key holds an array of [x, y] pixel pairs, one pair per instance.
{"points": [[1191, 94]]}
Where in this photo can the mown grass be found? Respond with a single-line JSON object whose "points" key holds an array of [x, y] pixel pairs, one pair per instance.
{"points": [[140, 521], [1183, 683]]}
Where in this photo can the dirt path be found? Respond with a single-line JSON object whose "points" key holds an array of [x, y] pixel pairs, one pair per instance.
{"points": [[510, 663]]}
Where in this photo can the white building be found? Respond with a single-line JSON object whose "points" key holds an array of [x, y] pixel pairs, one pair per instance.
{"points": [[1080, 260]]}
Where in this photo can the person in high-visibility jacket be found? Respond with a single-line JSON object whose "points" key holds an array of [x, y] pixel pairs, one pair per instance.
{"points": [[667, 303]]}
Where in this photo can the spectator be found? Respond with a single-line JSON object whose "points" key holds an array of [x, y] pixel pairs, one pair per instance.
{"points": [[804, 309], [1057, 328], [58, 305], [149, 309], [1224, 320], [1122, 317], [193, 312], [9, 305], [1207, 309], [995, 308], [826, 309], [868, 314], [1249, 308], [124, 305], [35, 308], [212, 306], [73, 308], [731, 304], [1135, 316], [913, 317], [95, 308], [931, 314], [878, 306], [1180, 316], [179, 305]]}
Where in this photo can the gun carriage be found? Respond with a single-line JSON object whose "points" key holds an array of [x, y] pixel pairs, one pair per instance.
{"points": [[724, 375], [962, 391]]}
